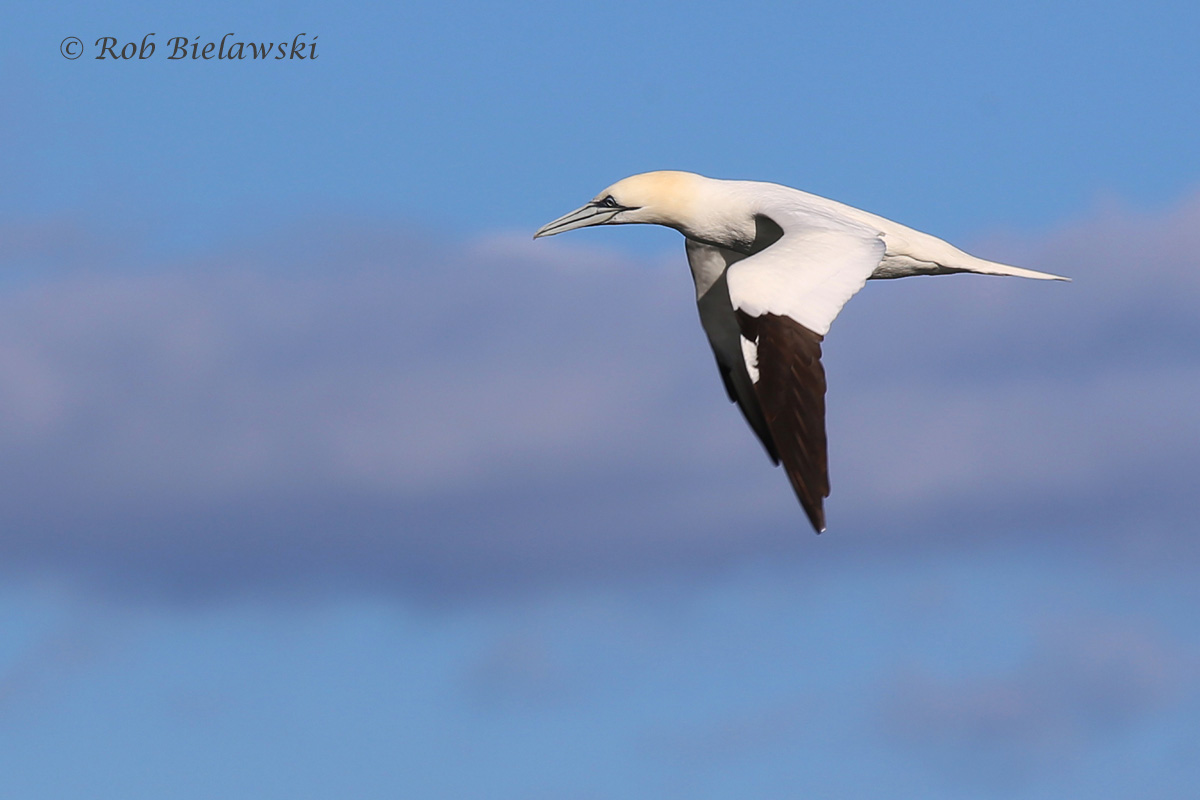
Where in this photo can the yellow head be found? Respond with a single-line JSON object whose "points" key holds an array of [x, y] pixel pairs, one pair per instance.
{"points": [[666, 197]]}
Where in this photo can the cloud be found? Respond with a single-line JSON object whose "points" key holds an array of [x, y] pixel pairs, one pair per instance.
{"points": [[1026, 400], [373, 407], [341, 403]]}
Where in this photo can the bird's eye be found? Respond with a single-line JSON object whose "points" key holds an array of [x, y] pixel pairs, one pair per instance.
{"points": [[609, 202]]}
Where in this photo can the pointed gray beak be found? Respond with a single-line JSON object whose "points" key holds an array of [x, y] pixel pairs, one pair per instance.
{"points": [[590, 214]]}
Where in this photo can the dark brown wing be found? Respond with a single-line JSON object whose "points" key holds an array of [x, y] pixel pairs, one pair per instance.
{"points": [[791, 391]]}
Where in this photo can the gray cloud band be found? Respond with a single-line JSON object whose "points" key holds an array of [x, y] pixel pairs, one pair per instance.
{"points": [[451, 422]]}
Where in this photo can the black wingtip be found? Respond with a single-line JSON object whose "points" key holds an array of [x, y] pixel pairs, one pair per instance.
{"points": [[814, 510], [814, 506]]}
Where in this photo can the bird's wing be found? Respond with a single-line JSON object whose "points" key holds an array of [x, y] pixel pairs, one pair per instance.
{"points": [[784, 299], [709, 264]]}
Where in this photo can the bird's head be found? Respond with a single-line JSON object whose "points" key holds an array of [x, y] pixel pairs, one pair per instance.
{"points": [[661, 198]]}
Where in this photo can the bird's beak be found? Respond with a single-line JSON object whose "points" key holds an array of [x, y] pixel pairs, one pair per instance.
{"points": [[591, 214]]}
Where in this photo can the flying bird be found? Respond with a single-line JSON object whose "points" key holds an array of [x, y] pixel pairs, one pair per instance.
{"points": [[773, 266]]}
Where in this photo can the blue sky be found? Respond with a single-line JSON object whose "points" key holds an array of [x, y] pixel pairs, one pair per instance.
{"points": [[474, 117], [322, 479]]}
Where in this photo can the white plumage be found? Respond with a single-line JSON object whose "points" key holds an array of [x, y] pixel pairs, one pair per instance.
{"points": [[773, 266]]}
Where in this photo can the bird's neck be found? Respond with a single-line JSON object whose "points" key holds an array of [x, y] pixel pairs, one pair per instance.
{"points": [[717, 214]]}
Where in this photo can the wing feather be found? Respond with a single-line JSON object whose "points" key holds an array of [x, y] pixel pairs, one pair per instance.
{"points": [[791, 392], [709, 264], [785, 297]]}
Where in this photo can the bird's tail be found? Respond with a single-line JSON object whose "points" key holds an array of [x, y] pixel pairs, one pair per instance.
{"points": [[983, 267]]}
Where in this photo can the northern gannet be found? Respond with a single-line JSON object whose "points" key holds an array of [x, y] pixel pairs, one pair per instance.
{"points": [[773, 266]]}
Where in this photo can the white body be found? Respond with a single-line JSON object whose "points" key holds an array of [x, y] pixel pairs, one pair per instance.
{"points": [[828, 251]]}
